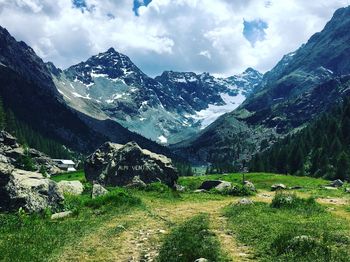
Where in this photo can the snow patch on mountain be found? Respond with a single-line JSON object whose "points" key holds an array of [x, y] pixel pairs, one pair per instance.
{"points": [[210, 114], [162, 139]]}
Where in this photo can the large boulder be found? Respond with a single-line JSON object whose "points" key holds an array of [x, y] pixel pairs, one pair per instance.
{"points": [[216, 184], [117, 165], [74, 188], [27, 190]]}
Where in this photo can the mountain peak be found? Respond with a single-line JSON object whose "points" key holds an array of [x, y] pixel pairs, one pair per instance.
{"points": [[251, 70], [111, 50]]}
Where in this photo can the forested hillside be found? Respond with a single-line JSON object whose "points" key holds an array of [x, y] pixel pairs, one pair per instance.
{"points": [[321, 150], [28, 136]]}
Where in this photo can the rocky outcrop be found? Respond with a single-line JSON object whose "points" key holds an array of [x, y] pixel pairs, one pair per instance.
{"points": [[117, 165], [11, 152], [27, 190], [70, 187]]}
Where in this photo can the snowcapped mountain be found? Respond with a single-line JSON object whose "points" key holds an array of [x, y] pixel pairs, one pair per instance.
{"points": [[167, 109]]}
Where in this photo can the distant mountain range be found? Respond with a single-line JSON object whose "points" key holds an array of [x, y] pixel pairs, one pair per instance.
{"points": [[167, 109], [303, 85]]}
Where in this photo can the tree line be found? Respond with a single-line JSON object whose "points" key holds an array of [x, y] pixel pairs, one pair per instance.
{"points": [[322, 149]]}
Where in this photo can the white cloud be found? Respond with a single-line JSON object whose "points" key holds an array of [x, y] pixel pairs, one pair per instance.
{"points": [[205, 53], [186, 35]]}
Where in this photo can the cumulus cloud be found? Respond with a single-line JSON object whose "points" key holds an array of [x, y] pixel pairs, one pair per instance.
{"points": [[222, 37]]}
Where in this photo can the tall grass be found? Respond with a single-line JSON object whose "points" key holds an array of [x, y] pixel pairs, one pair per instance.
{"points": [[191, 240]]}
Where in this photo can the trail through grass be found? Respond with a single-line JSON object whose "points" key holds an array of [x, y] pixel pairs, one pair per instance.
{"points": [[134, 225]]}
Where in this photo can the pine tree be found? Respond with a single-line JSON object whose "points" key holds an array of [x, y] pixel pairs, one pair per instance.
{"points": [[343, 166], [10, 122], [295, 160]]}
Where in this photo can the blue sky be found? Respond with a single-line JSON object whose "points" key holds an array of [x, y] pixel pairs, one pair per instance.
{"points": [[222, 37], [254, 31], [138, 4]]}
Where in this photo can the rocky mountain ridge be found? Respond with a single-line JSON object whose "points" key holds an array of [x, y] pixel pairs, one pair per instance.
{"points": [[166, 109]]}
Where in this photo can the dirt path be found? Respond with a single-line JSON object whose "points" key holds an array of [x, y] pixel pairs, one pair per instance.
{"points": [[137, 236]]}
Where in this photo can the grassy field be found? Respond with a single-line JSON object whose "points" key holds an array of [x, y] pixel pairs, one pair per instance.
{"points": [[303, 231], [78, 175], [156, 224]]}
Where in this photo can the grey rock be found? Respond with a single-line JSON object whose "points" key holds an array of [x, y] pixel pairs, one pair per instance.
{"points": [[70, 187], [8, 140], [4, 159], [27, 190], [278, 187], [180, 188], [215, 184], [61, 215], [245, 201], [330, 188], [347, 190], [201, 260], [98, 190], [200, 191], [117, 165], [337, 183], [250, 186]]}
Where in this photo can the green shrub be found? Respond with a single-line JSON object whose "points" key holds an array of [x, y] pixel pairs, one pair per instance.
{"points": [[73, 203], [117, 197], [161, 190], [157, 187], [26, 162], [190, 241], [291, 201]]}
